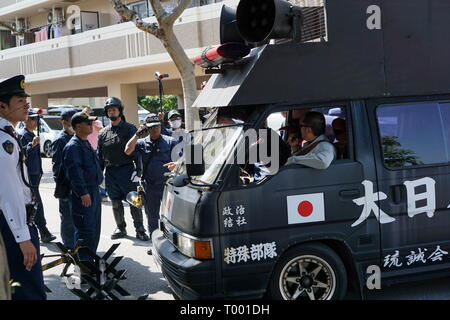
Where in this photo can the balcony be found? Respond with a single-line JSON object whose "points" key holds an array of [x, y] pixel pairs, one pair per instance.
{"points": [[115, 47], [10, 9]]}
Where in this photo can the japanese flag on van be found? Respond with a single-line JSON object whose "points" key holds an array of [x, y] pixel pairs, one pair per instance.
{"points": [[306, 208]]}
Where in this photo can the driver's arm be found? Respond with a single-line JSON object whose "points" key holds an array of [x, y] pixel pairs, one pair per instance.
{"points": [[319, 158]]}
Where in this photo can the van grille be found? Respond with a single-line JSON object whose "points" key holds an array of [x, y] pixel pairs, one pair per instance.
{"points": [[167, 234]]}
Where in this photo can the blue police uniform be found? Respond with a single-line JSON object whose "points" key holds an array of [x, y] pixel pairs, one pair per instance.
{"points": [[14, 195], [67, 227], [119, 169], [154, 154], [82, 168], [166, 131], [33, 162]]}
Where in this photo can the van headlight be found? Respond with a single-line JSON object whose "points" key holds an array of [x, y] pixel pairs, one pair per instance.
{"points": [[194, 248]]}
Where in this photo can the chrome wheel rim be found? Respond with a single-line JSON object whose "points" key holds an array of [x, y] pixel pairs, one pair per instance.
{"points": [[48, 149], [307, 277]]}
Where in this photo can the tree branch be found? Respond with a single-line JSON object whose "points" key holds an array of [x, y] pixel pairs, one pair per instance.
{"points": [[158, 10], [133, 16], [176, 13]]}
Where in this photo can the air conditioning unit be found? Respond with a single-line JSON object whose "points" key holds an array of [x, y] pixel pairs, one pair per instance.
{"points": [[56, 15], [21, 25]]}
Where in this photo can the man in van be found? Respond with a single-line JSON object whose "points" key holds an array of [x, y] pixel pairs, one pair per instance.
{"points": [[317, 152]]}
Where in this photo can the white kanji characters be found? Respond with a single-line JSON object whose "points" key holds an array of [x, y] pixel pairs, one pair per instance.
{"points": [[270, 250], [392, 260], [241, 221], [257, 251], [240, 210], [227, 211], [416, 257], [228, 222], [368, 201], [437, 254], [242, 254], [428, 195], [230, 255]]}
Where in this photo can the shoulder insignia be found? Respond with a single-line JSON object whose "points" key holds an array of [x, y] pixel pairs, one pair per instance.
{"points": [[8, 146]]}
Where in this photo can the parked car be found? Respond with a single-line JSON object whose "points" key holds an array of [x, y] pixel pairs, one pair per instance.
{"points": [[50, 126], [56, 110], [142, 113]]}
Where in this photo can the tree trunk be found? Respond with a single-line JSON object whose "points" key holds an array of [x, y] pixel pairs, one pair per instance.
{"points": [[187, 71], [164, 32]]}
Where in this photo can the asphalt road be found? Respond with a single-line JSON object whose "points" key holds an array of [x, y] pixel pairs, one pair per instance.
{"points": [[143, 276]]}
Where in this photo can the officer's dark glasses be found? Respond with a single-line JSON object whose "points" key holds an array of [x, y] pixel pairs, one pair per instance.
{"points": [[155, 127]]}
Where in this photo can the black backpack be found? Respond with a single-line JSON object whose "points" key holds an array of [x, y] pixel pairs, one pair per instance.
{"points": [[62, 188]]}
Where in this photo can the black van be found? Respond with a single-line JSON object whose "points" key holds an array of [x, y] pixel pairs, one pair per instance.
{"points": [[305, 233]]}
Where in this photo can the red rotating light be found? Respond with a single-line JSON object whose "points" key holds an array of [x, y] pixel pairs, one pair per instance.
{"points": [[228, 52], [39, 110]]}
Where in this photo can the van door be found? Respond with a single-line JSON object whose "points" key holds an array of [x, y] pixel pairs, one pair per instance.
{"points": [[260, 220], [411, 139]]}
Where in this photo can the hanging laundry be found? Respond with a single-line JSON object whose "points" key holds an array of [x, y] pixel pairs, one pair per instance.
{"points": [[58, 30], [37, 36]]}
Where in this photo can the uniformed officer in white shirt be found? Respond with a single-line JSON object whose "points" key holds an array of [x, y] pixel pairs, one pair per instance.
{"points": [[317, 152], [16, 225]]}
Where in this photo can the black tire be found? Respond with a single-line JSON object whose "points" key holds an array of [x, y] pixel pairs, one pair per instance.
{"points": [[48, 149], [325, 283]]}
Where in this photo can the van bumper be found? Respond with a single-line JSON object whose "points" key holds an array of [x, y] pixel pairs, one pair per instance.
{"points": [[188, 278]]}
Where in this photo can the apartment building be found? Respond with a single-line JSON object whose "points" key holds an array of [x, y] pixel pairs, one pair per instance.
{"points": [[80, 49]]}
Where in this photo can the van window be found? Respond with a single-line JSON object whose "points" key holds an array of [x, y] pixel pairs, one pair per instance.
{"points": [[54, 123], [286, 124], [336, 129], [414, 134], [43, 127]]}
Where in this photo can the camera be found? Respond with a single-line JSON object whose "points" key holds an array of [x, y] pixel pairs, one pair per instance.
{"points": [[159, 76]]}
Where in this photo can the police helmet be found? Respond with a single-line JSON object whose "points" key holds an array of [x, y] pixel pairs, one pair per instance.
{"points": [[113, 102]]}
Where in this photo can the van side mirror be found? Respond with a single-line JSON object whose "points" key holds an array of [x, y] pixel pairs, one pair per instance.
{"points": [[195, 165]]}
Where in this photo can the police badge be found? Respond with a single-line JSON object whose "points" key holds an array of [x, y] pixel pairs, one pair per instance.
{"points": [[8, 146]]}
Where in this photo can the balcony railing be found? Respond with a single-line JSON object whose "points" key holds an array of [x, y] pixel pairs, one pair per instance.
{"points": [[110, 48]]}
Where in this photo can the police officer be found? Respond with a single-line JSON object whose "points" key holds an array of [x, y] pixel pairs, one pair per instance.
{"points": [[119, 167], [16, 222], [181, 135], [154, 152], [82, 168], [32, 148], [67, 228]]}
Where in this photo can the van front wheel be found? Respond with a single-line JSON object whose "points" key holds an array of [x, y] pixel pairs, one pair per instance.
{"points": [[309, 272]]}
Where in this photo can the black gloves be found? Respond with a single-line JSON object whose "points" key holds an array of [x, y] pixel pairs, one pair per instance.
{"points": [[141, 131]]}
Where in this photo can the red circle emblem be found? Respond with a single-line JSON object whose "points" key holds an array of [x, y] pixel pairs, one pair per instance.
{"points": [[305, 208]]}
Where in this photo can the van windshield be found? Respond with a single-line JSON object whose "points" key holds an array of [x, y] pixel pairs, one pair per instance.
{"points": [[218, 136], [217, 144]]}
